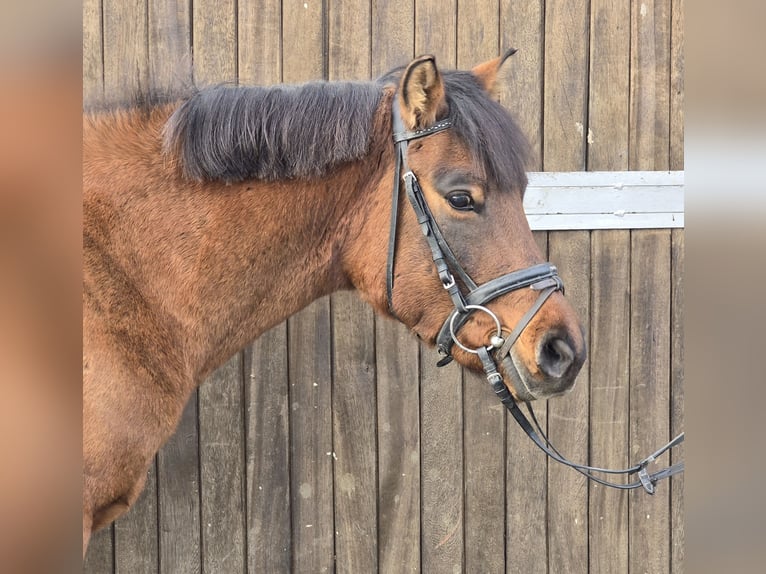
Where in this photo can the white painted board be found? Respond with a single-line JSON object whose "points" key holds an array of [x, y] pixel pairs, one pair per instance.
{"points": [[605, 200]]}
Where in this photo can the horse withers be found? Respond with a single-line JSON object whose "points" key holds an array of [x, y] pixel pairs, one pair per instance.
{"points": [[210, 220]]}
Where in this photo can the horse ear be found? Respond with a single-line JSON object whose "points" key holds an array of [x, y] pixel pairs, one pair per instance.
{"points": [[422, 97], [488, 72]]}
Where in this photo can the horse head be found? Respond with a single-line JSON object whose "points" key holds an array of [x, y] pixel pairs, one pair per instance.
{"points": [[463, 267]]}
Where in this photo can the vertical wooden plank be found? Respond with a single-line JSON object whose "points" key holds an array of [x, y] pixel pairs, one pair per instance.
{"points": [[100, 556], [179, 498], [609, 86], [396, 358], [526, 488], [677, 524], [311, 449], [354, 424], [268, 453], [221, 424], [302, 41], [564, 141], [441, 435], [136, 540], [483, 415], [607, 140], [222, 469], [125, 50], [92, 54], [436, 30], [566, 77], [677, 85], [441, 404], [169, 51], [311, 476], [348, 29], [260, 41], [354, 408], [568, 419], [269, 536], [521, 27], [609, 396], [650, 149], [166, 38], [214, 27], [397, 367], [392, 34], [650, 85], [649, 393]]}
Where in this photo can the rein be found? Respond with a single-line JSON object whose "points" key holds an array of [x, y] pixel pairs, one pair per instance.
{"points": [[542, 277]]}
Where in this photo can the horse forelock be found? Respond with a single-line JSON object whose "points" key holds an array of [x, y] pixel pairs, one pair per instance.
{"points": [[484, 126], [233, 133], [487, 130]]}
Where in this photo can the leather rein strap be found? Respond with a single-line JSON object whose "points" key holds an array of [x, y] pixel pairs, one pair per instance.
{"points": [[543, 278]]}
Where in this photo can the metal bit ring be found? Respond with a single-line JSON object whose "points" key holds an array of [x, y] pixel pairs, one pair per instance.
{"points": [[499, 333]]}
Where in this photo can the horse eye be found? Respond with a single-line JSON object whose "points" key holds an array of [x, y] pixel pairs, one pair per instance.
{"points": [[461, 200]]}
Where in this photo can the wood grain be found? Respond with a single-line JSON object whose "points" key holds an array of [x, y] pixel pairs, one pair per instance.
{"points": [[399, 483], [222, 469], [566, 89], [649, 522], [441, 436], [568, 418], [311, 440], [677, 68], [354, 429], [136, 540], [100, 556], [609, 396], [169, 46], [92, 53], [483, 415], [179, 496], [527, 488], [392, 34], [650, 85], [126, 63], [267, 418], [521, 87], [677, 418], [259, 45], [608, 86], [214, 29], [396, 357]]}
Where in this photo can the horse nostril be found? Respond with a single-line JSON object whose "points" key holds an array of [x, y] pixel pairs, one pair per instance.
{"points": [[555, 356]]}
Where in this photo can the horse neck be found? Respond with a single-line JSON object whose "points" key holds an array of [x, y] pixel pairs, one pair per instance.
{"points": [[221, 263]]}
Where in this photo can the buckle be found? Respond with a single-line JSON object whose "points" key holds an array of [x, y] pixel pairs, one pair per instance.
{"points": [[646, 480]]}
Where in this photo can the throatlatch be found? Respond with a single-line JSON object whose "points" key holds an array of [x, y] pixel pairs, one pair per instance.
{"points": [[543, 278]]}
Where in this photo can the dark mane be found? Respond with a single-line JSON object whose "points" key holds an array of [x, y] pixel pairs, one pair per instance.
{"points": [[236, 133], [487, 129]]}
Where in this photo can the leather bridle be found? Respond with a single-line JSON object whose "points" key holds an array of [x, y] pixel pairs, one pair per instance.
{"points": [[542, 278]]}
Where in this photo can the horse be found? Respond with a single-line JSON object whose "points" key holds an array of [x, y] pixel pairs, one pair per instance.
{"points": [[208, 220]]}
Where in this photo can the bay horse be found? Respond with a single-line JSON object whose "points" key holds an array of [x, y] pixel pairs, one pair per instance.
{"points": [[209, 220]]}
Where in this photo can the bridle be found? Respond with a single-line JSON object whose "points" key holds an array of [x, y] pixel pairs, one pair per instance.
{"points": [[542, 278]]}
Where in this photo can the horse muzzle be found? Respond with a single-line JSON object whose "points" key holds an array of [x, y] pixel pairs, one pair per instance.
{"points": [[558, 360]]}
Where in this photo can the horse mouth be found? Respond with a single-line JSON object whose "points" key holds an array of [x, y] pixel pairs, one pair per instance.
{"points": [[525, 388]]}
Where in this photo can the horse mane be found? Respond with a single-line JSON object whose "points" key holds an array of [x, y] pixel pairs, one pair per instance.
{"points": [[233, 133]]}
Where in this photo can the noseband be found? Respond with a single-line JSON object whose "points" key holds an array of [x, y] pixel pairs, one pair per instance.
{"points": [[542, 278]]}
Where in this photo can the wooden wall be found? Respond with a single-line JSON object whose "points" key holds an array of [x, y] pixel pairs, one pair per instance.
{"points": [[360, 456]]}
